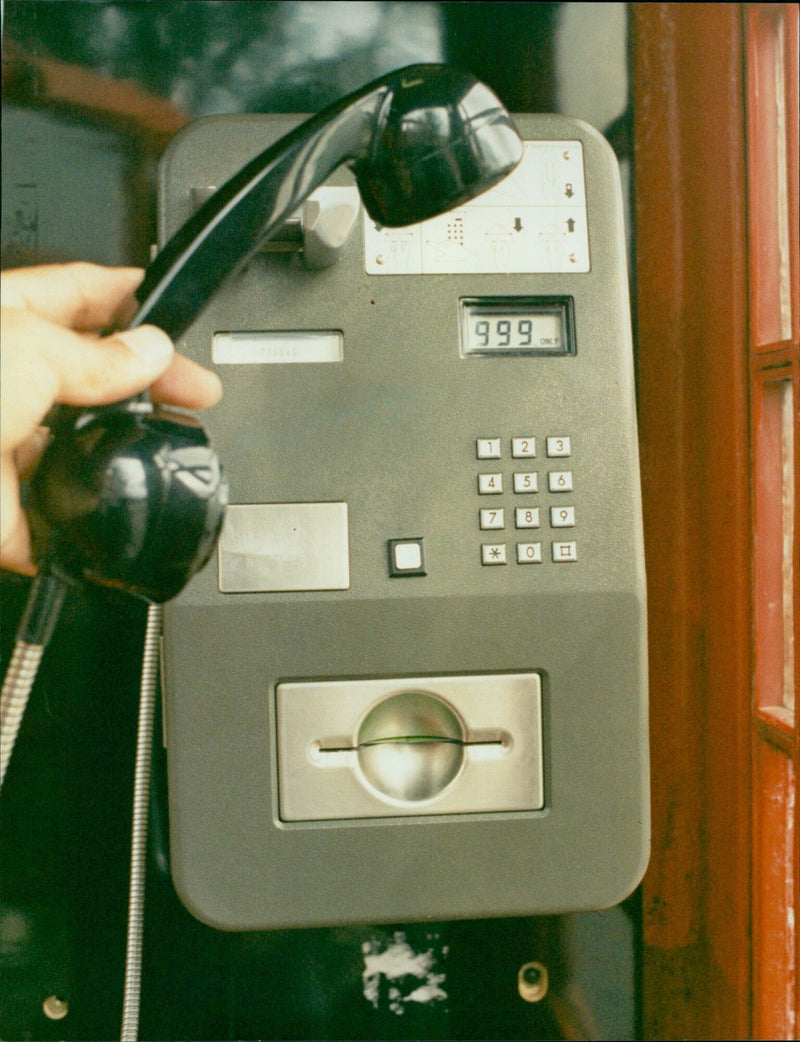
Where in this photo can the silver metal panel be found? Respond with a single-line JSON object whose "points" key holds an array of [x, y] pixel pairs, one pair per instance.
{"points": [[272, 547], [318, 723]]}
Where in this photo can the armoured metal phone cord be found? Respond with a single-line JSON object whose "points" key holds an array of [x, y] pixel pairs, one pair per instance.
{"points": [[41, 612], [38, 621], [141, 792]]}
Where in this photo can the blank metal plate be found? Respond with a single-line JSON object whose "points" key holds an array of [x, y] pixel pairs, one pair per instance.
{"points": [[273, 547]]}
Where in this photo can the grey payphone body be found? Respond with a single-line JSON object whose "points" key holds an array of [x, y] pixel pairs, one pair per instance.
{"points": [[413, 682]]}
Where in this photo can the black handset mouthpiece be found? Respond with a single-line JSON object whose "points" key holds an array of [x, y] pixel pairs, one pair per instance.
{"points": [[133, 497], [130, 497]]}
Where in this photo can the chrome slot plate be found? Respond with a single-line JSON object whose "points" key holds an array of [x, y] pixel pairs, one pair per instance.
{"points": [[326, 714]]}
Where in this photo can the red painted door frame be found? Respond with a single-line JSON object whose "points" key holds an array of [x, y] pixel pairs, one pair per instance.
{"points": [[691, 307], [719, 958]]}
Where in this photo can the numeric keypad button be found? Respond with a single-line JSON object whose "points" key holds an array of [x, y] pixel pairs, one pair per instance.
{"points": [[526, 517], [523, 448], [559, 447], [562, 517], [560, 481], [529, 553], [490, 484], [489, 448], [492, 519], [493, 553], [526, 482]]}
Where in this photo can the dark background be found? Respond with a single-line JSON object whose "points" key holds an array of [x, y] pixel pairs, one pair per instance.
{"points": [[92, 92]]}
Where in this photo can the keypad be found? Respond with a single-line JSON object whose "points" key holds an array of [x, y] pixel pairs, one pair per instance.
{"points": [[536, 520]]}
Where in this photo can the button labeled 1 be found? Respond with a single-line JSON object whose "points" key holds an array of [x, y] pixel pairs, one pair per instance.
{"points": [[489, 448]]}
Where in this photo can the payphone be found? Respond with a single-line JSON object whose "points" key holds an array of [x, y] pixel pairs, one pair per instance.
{"points": [[412, 683]]}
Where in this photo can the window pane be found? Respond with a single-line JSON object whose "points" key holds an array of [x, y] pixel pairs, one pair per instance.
{"points": [[787, 543], [769, 179], [774, 545], [774, 940]]}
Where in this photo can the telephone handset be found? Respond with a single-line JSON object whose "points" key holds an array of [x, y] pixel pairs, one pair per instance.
{"points": [[133, 497], [420, 141]]}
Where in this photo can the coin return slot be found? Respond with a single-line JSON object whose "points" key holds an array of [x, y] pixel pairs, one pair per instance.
{"points": [[413, 749]]}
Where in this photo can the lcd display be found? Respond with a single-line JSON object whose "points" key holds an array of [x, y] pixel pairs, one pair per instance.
{"points": [[517, 326]]}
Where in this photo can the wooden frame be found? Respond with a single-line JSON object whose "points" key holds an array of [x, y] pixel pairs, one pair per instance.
{"points": [[771, 60], [716, 189], [691, 298]]}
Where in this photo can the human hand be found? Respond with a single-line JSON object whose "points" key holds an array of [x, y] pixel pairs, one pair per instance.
{"points": [[52, 352]]}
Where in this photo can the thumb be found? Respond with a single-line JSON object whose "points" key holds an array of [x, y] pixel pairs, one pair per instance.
{"points": [[99, 371], [44, 363]]}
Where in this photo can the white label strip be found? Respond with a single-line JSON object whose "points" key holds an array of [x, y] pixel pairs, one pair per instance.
{"points": [[277, 348]]}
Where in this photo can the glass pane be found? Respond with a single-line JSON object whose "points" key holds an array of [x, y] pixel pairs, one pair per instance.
{"points": [[768, 180], [787, 542], [773, 546], [774, 961]]}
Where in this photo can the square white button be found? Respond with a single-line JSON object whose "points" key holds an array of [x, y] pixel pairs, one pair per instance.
{"points": [[526, 517], [526, 482], [560, 481], [490, 484], [407, 557], [559, 446], [493, 518], [489, 448], [493, 553], [562, 517], [523, 448]]}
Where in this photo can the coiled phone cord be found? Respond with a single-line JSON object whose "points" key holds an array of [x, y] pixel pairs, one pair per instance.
{"points": [[141, 796]]}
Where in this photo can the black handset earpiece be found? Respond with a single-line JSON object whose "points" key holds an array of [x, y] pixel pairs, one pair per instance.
{"points": [[132, 496]]}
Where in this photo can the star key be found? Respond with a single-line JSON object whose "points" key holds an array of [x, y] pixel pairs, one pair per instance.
{"points": [[493, 553]]}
